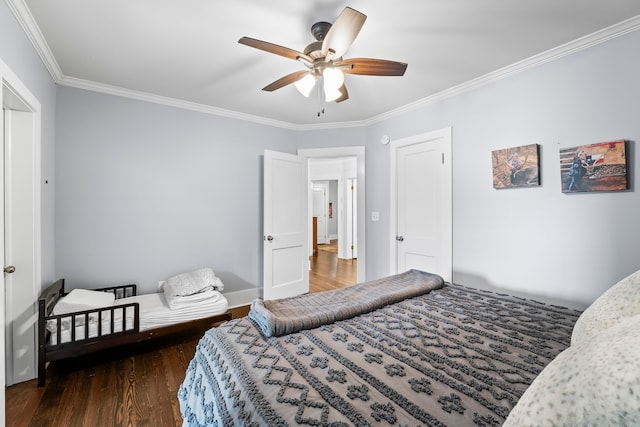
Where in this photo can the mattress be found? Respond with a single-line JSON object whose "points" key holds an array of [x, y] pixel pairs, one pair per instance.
{"points": [[453, 356], [154, 313]]}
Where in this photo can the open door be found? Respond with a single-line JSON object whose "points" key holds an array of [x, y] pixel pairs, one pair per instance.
{"points": [[21, 233], [20, 246], [286, 261], [319, 202]]}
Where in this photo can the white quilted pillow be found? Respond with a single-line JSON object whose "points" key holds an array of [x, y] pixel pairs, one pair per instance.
{"points": [[619, 302], [193, 282], [594, 383]]}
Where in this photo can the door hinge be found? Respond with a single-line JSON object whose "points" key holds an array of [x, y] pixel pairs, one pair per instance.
{"points": [[443, 158]]}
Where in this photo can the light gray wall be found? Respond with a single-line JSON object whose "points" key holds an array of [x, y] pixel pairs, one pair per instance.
{"points": [[146, 191], [18, 54], [533, 240], [330, 138]]}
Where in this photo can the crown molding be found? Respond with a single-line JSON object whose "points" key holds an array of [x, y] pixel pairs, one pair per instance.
{"points": [[31, 29], [171, 102], [601, 36], [194, 106]]}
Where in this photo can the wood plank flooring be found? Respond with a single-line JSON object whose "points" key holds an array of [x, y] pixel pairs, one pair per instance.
{"points": [[136, 386], [329, 272]]}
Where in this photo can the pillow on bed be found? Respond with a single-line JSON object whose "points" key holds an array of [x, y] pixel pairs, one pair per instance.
{"points": [[619, 302], [192, 283], [83, 299], [594, 383]]}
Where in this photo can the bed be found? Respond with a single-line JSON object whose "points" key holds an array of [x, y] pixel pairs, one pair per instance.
{"points": [[120, 317], [405, 350]]}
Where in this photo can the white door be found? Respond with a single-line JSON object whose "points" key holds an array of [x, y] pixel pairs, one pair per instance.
{"points": [[3, 361], [319, 203], [14, 96], [421, 179], [20, 246], [286, 263]]}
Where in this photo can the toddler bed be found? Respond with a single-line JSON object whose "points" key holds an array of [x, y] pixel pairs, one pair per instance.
{"points": [[85, 321]]}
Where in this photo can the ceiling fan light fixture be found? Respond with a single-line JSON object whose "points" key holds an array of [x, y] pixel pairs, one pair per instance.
{"points": [[305, 84], [331, 94], [333, 79]]}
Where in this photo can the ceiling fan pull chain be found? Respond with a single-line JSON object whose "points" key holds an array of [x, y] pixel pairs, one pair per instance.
{"points": [[320, 99]]}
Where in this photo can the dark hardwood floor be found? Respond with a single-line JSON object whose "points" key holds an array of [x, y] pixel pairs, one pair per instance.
{"points": [[135, 386]]}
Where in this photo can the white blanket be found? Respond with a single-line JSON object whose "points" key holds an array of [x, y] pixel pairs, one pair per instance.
{"points": [[154, 313], [187, 287], [182, 302]]}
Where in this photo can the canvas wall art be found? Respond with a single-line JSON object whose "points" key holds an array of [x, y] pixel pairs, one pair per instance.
{"points": [[594, 167], [516, 167]]}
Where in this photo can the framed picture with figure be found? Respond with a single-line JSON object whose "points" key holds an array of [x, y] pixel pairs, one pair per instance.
{"points": [[594, 167], [516, 166]]}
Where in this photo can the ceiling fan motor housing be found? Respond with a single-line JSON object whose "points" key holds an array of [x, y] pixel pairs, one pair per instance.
{"points": [[319, 30]]}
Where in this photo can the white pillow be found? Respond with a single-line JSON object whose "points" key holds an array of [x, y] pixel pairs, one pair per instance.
{"points": [[619, 302], [192, 282], [83, 299], [593, 383]]}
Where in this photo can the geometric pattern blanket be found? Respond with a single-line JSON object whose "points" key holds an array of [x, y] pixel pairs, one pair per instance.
{"points": [[455, 356]]}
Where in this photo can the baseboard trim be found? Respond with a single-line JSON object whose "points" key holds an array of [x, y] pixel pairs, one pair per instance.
{"points": [[244, 297]]}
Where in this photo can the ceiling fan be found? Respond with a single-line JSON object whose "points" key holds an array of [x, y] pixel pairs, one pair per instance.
{"points": [[323, 58]]}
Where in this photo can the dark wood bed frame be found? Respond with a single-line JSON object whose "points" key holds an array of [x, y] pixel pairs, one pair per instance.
{"points": [[48, 352]]}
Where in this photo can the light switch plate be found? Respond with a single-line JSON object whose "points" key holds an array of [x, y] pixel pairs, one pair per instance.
{"points": [[375, 216]]}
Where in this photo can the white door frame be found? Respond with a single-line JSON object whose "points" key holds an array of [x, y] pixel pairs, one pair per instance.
{"points": [[358, 152], [15, 96], [352, 244], [447, 208], [338, 212]]}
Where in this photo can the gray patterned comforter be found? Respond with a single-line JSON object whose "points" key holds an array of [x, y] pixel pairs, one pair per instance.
{"points": [[455, 356]]}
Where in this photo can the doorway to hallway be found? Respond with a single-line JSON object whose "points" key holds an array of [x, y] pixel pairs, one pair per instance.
{"points": [[337, 255]]}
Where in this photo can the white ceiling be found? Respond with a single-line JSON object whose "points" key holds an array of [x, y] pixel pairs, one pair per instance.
{"points": [[186, 53]]}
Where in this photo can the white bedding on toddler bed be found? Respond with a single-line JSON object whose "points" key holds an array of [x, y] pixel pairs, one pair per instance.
{"points": [[154, 313]]}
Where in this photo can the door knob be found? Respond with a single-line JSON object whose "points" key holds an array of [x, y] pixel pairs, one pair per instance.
{"points": [[9, 269], [400, 238], [270, 238]]}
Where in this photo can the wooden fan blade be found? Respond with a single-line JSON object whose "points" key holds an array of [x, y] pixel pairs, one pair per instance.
{"points": [[345, 94], [286, 80], [276, 49], [343, 32], [372, 67]]}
